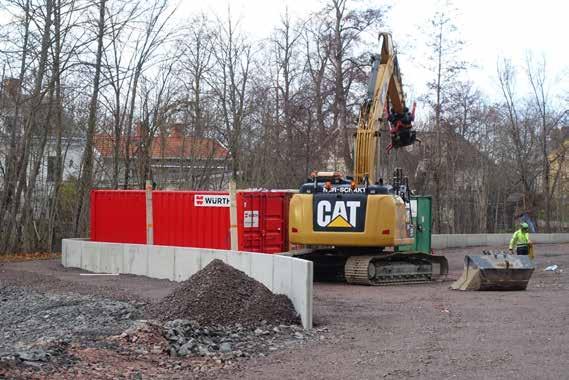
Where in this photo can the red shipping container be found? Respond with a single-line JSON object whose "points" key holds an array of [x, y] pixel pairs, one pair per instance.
{"points": [[191, 218], [262, 219], [118, 216]]}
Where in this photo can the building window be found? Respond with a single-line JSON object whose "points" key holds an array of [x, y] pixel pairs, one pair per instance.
{"points": [[51, 163]]}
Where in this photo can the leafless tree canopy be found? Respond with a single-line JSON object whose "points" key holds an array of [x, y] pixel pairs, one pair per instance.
{"points": [[113, 93]]}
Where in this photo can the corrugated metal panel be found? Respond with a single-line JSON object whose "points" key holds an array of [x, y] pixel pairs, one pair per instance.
{"points": [[262, 218], [191, 219], [118, 216]]}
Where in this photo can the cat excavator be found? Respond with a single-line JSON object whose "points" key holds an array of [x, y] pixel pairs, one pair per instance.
{"points": [[359, 229]]}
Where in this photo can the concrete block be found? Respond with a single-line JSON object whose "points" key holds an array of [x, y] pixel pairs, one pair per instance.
{"points": [[497, 240], [540, 238], [240, 260], [187, 261], [475, 240], [560, 238], [161, 262], [73, 249], [208, 255], [301, 291], [439, 241], [111, 258], [135, 259], [64, 248], [90, 256], [537, 238], [455, 241], [282, 274], [262, 268]]}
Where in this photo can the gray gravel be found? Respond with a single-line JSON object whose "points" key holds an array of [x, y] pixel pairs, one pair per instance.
{"points": [[29, 318], [223, 343]]}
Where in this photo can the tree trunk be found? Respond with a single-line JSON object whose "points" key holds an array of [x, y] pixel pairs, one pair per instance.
{"points": [[86, 178]]}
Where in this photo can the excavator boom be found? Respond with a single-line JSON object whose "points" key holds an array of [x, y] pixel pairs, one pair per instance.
{"points": [[385, 92]]}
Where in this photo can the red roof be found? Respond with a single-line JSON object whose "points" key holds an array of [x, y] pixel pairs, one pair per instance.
{"points": [[175, 146]]}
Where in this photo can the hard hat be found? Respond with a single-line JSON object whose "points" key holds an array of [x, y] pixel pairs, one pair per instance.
{"points": [[525, 225]]}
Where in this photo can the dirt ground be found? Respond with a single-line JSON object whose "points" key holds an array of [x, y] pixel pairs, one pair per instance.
{"points": [[396, 332]]}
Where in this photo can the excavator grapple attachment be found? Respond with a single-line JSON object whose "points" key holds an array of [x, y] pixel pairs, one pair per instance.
{"points": [[495, 271]]}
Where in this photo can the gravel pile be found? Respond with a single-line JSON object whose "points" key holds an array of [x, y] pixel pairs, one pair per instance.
{"points": [[222, 295], [29, 319]]}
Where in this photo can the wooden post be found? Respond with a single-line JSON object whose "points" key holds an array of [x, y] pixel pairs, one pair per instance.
{"points": [[233, 215], [149, 226]]}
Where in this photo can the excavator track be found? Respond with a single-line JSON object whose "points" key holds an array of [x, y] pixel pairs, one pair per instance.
{"points": [[376, 270]]}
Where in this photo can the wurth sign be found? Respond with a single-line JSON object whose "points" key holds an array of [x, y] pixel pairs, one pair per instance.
{"points": [[204, 200]]}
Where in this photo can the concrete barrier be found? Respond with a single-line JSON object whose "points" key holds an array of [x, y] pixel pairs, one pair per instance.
{"points": [[281, 274], [135, 259], [493, 240], [161, 262]]}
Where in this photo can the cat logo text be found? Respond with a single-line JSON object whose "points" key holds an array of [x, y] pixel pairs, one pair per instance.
{"points": [[340, 215], [339, 212]]}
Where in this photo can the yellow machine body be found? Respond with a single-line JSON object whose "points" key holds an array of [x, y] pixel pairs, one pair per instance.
{"points": [[386, 222]]}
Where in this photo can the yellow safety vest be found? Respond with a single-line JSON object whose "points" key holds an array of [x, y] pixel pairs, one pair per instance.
{"points": [[520, 239]]}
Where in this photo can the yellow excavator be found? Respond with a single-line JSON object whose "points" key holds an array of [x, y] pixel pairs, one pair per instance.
{"points": [[359, 229]]}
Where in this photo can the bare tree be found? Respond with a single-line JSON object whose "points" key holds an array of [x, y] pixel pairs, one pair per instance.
{"points": [[445, 64], [346, 27], [13, 223], [549, 119], [119, 75], [86, 178], [10, 177], [233, 54], [152, 38]]}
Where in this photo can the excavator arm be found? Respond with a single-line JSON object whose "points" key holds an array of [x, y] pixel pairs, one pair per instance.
{"points": [[385, 91]]}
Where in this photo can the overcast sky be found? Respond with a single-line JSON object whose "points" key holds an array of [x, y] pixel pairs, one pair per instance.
{"points": [[490, 28]]}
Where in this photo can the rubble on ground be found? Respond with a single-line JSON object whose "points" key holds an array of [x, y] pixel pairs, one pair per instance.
{"points": [[222, 295], [184, 338]]}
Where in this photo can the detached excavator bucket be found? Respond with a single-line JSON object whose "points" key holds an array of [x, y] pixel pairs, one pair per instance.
{"points": [[495, 271]]}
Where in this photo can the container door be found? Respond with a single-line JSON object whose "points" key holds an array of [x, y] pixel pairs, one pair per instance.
{"points": [[248, 220], [423, 222], [262, 221], [274, 228]]}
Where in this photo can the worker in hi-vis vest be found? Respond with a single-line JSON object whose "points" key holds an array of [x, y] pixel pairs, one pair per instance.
{"points": [[521, 241]]}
